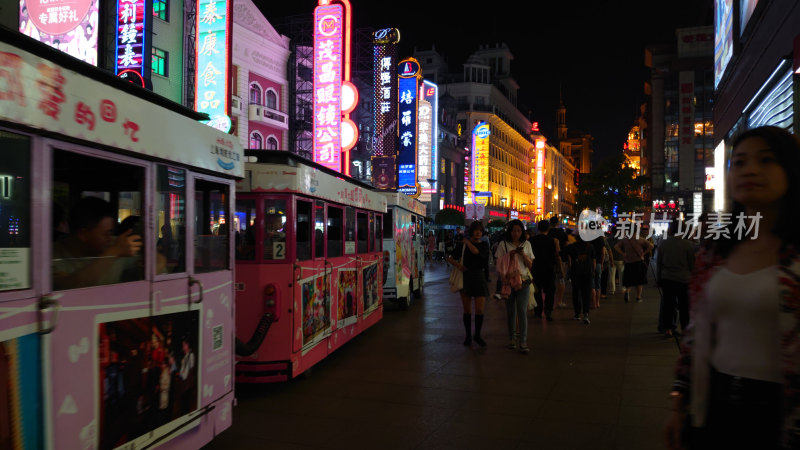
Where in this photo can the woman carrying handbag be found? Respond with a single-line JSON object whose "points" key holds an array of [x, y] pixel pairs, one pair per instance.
{"points": [[516, 281], [470, 257]]}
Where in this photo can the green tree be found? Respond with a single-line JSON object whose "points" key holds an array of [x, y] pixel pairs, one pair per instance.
{"points": [[612, 182]]}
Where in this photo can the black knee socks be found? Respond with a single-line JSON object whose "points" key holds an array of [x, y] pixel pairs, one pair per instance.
{"points": [[478, 325], [468, 325]]}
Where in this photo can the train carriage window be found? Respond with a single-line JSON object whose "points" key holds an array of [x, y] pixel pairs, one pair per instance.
{"points": [[388, 225], [303, 233], [378, 232], [244, 227], [103, 202], [350, 231], [335, 231], [319, 229], [170, 220], [274, 229], [211, 249], [15, 214], [363, 232]]}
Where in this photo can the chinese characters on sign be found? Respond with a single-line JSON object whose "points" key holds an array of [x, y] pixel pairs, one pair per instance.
{"points": [[211, 72], [69, 26], [424, 148], [480, 159], [328, 86], [408, 72], [385, 93], [430, 93], [130, 36]]}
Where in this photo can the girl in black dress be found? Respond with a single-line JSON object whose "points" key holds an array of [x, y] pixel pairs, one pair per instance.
{"points": [[476, 258]]}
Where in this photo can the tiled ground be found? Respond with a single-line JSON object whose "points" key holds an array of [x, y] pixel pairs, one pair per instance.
{"points": [[409, 383]]}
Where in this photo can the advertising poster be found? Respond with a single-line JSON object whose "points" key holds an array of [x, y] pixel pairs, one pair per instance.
{"points": [[20, 393], [347, 296], [723, 37], [67, 25], [383, 172], [316, 308], [148, 374], [370, 280]]}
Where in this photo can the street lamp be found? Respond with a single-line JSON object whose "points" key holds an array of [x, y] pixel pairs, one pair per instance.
{"points": [[524, 205]]}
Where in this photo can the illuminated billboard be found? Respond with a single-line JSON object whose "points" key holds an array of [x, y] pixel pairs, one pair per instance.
{"points": [[67, 25], [723, 37], [131, 56], [212, 93], [408, 105], [429, 92], [480, 160], [539, 185], [384, 141]]}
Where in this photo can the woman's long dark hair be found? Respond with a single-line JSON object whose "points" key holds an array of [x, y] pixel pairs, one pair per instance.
{"points": [[786, 147], [511, 225], [476, 225]]}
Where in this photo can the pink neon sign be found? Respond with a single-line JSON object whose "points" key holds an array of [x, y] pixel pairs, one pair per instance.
{"points": [[540, 147], [328, 32]]}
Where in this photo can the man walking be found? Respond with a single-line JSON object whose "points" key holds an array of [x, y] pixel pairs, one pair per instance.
{"points": [[555, 231], [546, 266], [675, 264]]}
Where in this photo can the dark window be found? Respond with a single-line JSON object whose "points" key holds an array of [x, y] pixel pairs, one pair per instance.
{"points": [[274, 229], [335, 231], [256, 142], [378, 233], [272, 143], [161, 9], [350, 231], [363, 232], [170, 220], [319, 229], [255, 94], [211, 221], [244, 227], [388, 225], [303, 233], [272, 100], [160, 63], [15, 214]]}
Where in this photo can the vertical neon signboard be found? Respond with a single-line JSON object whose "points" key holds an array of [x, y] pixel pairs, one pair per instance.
{"points": [[212, 92], [540, 152], [384, 142], [408, 72], [424, 145], [328, 23], [480, 160], [429, 92], [131, 34]]}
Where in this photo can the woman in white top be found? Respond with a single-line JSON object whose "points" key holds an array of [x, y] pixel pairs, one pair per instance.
{"points": [[738, 377], [521, 253]]}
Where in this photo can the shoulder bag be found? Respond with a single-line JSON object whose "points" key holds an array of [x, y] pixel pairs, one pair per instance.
{"points": [[457, 276]]}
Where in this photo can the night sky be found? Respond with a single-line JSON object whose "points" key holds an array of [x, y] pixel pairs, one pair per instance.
{"points": [[594, 50]]}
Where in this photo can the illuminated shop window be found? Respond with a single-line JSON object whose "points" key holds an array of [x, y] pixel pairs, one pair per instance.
{"points": [[160, 9], [160, 62]]}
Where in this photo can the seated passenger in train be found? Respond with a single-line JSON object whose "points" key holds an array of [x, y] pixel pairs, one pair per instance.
{"points": [[91, 254]]}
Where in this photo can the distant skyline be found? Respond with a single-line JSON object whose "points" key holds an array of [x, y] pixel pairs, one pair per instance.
{"points": [[593, 51]]}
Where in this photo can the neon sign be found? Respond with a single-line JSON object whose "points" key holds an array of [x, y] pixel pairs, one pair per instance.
{"points": [[408, 71], [424, 148], [130, 37], [212, 93], [540, 152], [480, 160], [430, 93], [384, 141]]}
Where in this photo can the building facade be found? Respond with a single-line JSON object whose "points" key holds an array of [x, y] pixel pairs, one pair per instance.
{"points": [[559, 185], [756, 71], [259, 86], [485, 92], [680, 124], [575, 145]]}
